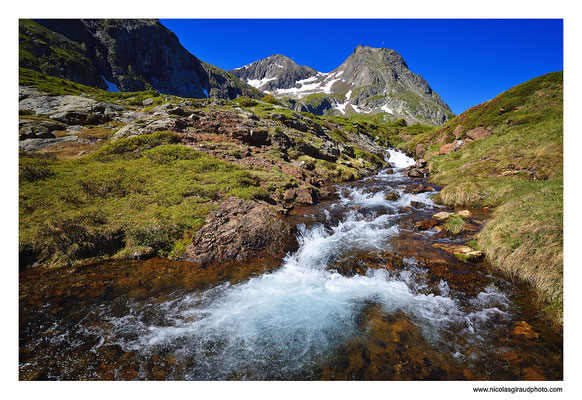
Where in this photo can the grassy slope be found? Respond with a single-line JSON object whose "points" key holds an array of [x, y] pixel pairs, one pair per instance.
{"points": [[149, 190], [519, 169]]}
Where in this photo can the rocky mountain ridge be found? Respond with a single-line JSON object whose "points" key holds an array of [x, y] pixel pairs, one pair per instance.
{"points": [[369, 81], [122, 55]]}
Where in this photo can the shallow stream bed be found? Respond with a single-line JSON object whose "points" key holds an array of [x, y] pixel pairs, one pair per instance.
{"points": [[366, 296]]}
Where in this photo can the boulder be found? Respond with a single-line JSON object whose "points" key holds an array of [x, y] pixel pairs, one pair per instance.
{"points": [[29, 145], [464, 213], [38, 129], [420, 150], [151, 125], [421, 163], [289, 195], [306, 195], [478, 133], [240, 229], [458, 132], [417, 189], [442, 216], [326, 193], [71, 109], [447, 148], [414, 173], [178, 110], [392, 196], [461, 252]]}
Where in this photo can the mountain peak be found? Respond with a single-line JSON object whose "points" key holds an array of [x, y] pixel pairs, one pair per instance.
{"points": [[274, 72], [370, 80]]}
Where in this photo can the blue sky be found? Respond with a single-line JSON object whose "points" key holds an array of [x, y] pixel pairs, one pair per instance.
{"points": [[466, 61]]}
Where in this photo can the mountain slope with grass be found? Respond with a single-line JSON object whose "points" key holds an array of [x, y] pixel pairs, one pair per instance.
{"points": [[122, 55], [507, 153]]}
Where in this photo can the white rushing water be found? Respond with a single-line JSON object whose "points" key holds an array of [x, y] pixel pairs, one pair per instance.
{"points": [[282, 322]]}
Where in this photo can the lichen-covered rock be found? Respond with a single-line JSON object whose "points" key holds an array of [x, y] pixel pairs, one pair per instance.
{"points": [[240, 229], [72, 110]]}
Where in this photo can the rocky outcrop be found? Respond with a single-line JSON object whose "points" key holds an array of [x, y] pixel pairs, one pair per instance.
{"points": [[238, 230], [38, 129], [458, 131], [70, 110]]}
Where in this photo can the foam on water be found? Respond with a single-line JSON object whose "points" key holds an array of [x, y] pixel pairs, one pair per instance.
{"points": [[399, 160], [279, 325], [281, 322]]}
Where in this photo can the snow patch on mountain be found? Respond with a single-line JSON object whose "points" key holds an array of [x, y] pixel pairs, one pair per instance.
{"points": [[257, 83]]}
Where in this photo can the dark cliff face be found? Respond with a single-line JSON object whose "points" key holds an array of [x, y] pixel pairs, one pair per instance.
{"points": [[133, 54], [143, 53]]}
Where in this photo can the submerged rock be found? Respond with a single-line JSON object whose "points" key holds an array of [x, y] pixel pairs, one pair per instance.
{"points": [[426, 224], [392, 196], [524, 330]]}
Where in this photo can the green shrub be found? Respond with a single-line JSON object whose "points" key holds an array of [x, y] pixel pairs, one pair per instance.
{"points": [[270, 99], [245, 101], [133, 146], [31, 169], [171, 152], [455, 224]]}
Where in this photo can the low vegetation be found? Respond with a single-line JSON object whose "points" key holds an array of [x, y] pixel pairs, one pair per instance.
{"points": [[519, 171], [131, 194]]}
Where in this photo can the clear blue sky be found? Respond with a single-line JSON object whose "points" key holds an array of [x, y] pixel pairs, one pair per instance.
{"points": [[466, 61]]}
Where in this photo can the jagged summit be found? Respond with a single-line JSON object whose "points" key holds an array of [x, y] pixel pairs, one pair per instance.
{"points": [[370, 80], [274, 72]]}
